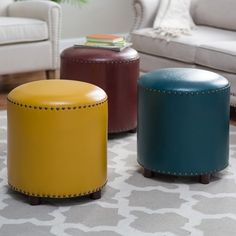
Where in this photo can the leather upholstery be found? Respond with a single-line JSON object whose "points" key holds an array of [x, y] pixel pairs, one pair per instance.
{"points": [[183, 126], [115, 72], [57, 137]]}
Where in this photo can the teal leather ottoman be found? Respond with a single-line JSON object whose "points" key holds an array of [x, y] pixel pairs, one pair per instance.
{"points": [[183, 122]]}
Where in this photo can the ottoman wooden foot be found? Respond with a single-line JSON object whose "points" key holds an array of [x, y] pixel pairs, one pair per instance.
{"points": [[133, 131], [34, 200], [204, 179], [147, 173], [96, 195]]}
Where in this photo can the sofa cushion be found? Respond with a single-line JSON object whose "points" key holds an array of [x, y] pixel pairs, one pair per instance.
{"points": [[182, 48], [218, 55], [18, 30], [217, 13]]}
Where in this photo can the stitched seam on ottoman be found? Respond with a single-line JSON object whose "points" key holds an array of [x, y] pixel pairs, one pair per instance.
{"points": [[185, 173], [169, 92], [56, 195], [100, 62], [57, 108]]}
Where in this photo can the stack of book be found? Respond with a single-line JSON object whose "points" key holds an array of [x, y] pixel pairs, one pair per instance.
{"points": [[105, 41]]}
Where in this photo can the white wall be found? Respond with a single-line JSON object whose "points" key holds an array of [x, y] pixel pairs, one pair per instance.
{"points": [[97, 16]]}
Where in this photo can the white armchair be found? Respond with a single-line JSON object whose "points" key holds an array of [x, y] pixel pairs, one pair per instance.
{"points": [[29, 36]]}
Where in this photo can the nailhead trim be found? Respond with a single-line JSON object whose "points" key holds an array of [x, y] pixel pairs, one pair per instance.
{"points": [[56, 195], [169, 92], [128, 61], [121, 130], [57, 108], [185, 173]]}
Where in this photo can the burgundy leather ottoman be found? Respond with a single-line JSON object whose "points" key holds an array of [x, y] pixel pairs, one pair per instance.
{"points": [[115, 72]]}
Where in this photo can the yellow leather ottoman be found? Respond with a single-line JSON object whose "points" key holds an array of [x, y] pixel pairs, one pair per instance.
{"points": [[57, 138]]}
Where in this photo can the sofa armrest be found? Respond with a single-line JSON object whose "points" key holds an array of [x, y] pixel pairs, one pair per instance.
{"points": [[43, 10], [145, 12]]}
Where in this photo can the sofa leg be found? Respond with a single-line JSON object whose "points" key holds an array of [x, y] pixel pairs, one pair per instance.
{"points": [[51, 74], [204, 179], [34, 200], [148, 173], [96, 195]]}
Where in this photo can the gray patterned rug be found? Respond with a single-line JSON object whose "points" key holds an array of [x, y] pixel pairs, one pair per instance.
{"points": [[130, 204]]}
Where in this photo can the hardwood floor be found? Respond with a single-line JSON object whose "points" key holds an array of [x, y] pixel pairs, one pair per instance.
{"points": [[9, 82]]}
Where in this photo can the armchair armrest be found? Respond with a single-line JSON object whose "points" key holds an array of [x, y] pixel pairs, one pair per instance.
{"points": [[43, 10], [145, 12]]}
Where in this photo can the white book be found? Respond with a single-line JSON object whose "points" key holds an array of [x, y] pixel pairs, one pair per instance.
{"points": [[113, 48]]}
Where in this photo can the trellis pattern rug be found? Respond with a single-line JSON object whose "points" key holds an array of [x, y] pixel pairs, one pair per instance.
{"points": [[130, 204]]}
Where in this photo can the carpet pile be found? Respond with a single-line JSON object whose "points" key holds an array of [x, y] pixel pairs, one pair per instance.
{"points": [[130, 204]]}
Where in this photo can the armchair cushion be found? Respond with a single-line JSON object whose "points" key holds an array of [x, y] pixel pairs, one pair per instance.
{"points": [[218, 55], [182, 48], [18, 30]]}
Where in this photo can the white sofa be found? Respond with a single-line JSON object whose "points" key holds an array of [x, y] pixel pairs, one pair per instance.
{"points": [[212, 45], [29, 36]]}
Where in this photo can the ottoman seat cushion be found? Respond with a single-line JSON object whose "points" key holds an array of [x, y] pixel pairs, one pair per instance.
{"points": [[183, 81]]}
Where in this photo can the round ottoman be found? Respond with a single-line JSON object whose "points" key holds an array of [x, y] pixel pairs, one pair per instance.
{"points": [[57, 138], [115, 72], [183, 122]]}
